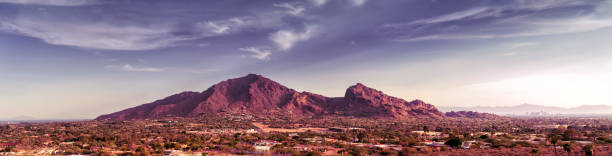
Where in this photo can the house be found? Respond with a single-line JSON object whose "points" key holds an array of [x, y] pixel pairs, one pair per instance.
{"points": [[314, 139], [418, 132], [300, 148], [584, 142], [250, 131], [264, 145], [436, 144], [467, 144], [485, 145]]}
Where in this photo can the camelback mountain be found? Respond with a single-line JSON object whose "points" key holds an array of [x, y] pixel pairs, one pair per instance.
{"points": [[257, 95]]}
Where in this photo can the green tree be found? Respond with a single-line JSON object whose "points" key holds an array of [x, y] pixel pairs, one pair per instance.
{"points": [[554, 139], [312, 153], [8, 149], [484, 137], [534, 152], [354, 150], [567, 148], [588, 150], [453, 142], [141, 151]]}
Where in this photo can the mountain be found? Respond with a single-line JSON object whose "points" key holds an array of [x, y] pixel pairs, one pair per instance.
{"points": [[30, 119], [471, 114], [526, 109], [257, 95], [19, 118]]}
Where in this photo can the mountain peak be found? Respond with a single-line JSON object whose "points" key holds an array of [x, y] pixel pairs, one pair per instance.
{"points": [[359, 84], [360, 89], [250, 81], [251, 78]]}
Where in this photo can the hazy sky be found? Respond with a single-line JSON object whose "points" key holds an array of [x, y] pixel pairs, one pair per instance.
{"points": [[83, 58]]}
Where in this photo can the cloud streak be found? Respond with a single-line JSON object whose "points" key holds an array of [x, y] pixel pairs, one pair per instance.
{"points": [[528, 28], [94, 36], [474, 13], [130, 68], [51, 2], [319, 2], [521, 19], [291, 9], [357, 2], [258, 53], [225, 26]]}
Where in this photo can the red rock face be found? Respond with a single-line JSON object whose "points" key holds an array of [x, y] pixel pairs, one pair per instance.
{"points": [[257, 95], [470, 114], [364, 101]]}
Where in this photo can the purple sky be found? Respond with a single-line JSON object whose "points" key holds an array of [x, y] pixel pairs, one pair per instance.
{"points": [[83, 58]]}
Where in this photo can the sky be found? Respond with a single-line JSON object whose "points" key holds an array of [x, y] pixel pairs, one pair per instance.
{"points": [[77, 59]]}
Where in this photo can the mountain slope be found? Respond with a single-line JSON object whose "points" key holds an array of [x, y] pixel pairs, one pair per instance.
{"points": [[257, 95]]}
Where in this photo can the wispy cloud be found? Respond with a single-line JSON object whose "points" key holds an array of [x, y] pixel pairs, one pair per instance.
{"points": [[234, 24], [205, 44], [111, 35], [285, 39], [130, 68], [518, 19], [522, 44], [216, 28], [51, 2], [291, 9], [514, 53], [258, 53], [357, 2], [319, 2], [474, 13], [519, 27], [93, 35], [543, 4]]}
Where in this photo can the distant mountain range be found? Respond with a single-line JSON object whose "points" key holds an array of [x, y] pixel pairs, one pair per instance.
{"points": [[260, 96], [527, 109], [19, 118]]}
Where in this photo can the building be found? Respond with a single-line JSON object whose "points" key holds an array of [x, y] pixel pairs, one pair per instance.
{"points": [[264, 145]]}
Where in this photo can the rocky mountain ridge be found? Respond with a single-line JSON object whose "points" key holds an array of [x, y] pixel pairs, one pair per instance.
{"points": [[257, 95]]}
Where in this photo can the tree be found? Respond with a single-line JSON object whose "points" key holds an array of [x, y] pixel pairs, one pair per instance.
{"points": [[8, 149], [313, 153], [361, 136], [554, 139], [141, 151], [534, 152], [484, 137], [354, 150], [569, 134], [588, 150], [453, 142], [567, 148]]}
